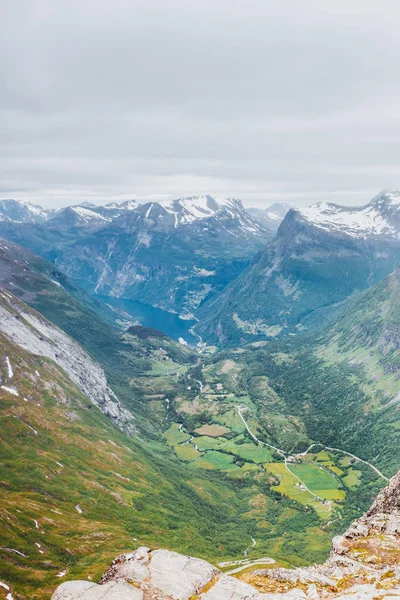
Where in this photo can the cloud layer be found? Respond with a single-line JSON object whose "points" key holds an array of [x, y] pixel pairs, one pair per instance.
{"points": [[263, 100]]}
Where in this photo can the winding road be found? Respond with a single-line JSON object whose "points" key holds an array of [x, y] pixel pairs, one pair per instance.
{"points": [[285, 457], [282, 453]]}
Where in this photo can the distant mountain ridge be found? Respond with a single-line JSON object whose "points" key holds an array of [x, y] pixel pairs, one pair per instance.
{"points": [[23, 212], [186, 210], [320, 256], [172, 255], [272, 216], [379, 218]]}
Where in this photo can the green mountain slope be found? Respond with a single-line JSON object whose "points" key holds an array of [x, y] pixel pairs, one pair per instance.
{"points": [[74, 489], [135, 366], [343, 380]]}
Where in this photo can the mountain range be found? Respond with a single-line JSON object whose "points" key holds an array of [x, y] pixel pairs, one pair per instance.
{"points": [[173, 255], [261, 447], [319, 257]]}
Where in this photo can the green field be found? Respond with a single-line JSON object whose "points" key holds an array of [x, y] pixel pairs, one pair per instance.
{"points": [[289, 486], [249, 451], [215, 460], [207, 443], [315, 477], [174, 436], [352, 479], [187, 452]]}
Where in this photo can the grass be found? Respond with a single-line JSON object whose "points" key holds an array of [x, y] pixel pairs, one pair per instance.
{"points": [[289, 486], [352, 479], [216, 460], [186, 452], [174, 436], [315, 477], [249, 451], [207, 443], [165, 366], [231, 419]]}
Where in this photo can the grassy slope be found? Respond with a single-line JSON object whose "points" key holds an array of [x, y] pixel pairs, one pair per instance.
{"points": [[125, 488]]}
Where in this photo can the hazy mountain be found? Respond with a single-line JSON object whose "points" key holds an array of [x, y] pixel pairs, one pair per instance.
{"points": [[272, 216], [76, 218], [172, 255], [23, 212], [320, 256]]}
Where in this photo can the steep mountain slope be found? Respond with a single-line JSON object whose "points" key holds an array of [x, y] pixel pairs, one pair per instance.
{"points": [[321, 256], [126, 357], [272, 216], [172, 256], [29, 330]]}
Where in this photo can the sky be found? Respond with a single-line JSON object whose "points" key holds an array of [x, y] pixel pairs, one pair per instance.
{"points": [[295, 101]]}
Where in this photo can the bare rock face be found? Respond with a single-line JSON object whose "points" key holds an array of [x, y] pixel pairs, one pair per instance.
{"points": [[85, 590], [388, 500], [364, 564], [30, 330], [162, 573], [230, 588]]}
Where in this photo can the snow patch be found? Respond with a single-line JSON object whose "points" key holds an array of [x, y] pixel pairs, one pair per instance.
{"points": [[10, 390], [62, 573], [9, 368]]}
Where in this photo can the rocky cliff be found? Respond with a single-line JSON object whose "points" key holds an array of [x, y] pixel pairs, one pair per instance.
{"points": [[364, 564]]}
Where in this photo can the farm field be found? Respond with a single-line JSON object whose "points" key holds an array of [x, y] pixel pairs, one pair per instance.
{"points": [[216, 460], [290, 487], [313, 480], [212, 430], [319, 481], [352, 479], [239, 428]]}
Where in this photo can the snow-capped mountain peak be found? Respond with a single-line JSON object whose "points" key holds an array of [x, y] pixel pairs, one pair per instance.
{"points": [[21, 211], [380, 217], [277, 211], [192, 208], [78, 216], [87, 214], [127, 205]]}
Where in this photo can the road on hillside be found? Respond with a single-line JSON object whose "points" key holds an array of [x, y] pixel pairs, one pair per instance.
{"points": [[282, 453]]}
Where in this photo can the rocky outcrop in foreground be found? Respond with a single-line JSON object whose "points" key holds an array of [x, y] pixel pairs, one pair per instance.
{"points": [[364, 564]]}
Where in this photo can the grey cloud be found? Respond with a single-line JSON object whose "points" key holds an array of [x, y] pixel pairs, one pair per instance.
{"points": [[257, 99]]}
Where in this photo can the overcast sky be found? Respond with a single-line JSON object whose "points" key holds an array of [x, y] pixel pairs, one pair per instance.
{"points": [[265, 100]]}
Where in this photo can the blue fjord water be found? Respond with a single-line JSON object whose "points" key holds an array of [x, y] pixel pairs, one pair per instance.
{"points": [[149, 316]]}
